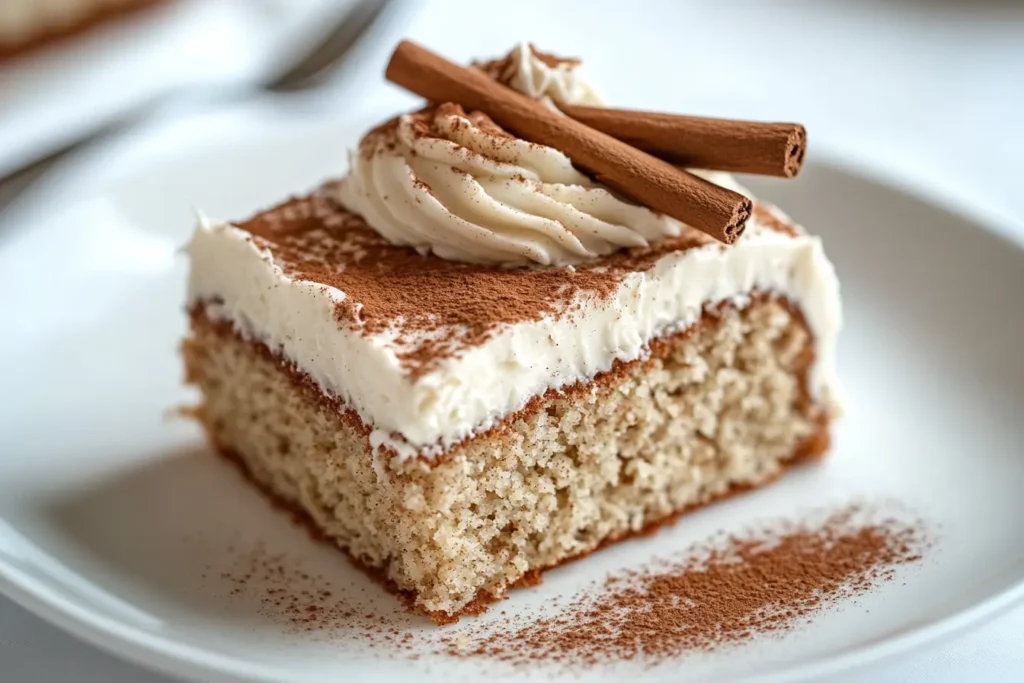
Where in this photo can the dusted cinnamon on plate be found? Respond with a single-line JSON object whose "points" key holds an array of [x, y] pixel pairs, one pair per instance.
{"points": [[30, 24]]}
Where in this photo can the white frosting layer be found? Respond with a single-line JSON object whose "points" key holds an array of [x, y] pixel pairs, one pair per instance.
{"points": [[24, 20], [465, 190], [467, 393]]}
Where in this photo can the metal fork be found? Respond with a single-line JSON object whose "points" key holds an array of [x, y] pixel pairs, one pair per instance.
{"points": [[305, 74]]}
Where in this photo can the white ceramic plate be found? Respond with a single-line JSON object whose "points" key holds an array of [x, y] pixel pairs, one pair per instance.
{"points": [[115, 521]]}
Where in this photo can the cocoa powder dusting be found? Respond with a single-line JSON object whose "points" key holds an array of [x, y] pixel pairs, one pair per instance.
{"points": [[434, 308], [717, 594]]}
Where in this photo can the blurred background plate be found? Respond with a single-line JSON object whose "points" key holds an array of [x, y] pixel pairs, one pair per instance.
{"points": [[54, 95]]}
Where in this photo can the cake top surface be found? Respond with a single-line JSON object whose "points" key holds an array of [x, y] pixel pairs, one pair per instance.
{"points": [[432, 308]]}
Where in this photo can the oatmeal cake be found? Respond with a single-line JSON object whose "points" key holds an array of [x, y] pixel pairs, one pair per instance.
{"points": [[465, 361]]}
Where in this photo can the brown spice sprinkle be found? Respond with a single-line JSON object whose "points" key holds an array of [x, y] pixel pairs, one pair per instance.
{"points": [[307, 605], [425, 123], [436, 308], [717, 594]]}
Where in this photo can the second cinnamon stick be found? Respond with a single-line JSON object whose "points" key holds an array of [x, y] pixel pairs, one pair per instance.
{"points": [[775, 149]]}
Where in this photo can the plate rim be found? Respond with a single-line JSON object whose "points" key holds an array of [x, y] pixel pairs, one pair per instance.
{"points": [[177, 659]]}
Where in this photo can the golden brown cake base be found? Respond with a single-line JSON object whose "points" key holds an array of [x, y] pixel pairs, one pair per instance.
{"points": [[713, 411]]}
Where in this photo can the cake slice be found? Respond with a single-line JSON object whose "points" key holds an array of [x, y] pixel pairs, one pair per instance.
{"points": [[465, 362]]}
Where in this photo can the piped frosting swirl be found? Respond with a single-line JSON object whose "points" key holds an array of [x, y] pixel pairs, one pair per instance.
{"points": [[541, 75], [457, 185]]}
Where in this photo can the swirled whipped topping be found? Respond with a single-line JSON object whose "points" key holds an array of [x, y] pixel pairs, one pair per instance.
{"points": [[542, 75], [457, 185]]}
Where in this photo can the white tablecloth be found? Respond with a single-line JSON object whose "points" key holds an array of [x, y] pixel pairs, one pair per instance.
{"points": [[931, 89]]}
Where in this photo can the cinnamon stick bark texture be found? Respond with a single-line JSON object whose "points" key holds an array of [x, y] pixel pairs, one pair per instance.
{"points": [[648, 180], [775, 149]]}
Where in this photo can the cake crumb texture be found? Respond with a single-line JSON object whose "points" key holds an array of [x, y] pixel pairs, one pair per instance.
{"points": [[721, 406]]}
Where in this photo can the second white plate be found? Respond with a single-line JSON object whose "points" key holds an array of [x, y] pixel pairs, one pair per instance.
{"points": [[67, 90]]}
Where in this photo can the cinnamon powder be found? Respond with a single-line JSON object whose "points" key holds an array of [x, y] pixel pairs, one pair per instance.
{"points": [[716, 594]]}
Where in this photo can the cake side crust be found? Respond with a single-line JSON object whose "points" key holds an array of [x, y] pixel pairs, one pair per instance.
{"points": [[718, 409]]}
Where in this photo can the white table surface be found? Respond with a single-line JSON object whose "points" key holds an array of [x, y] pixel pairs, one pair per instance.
{"points": [[929, 90]]}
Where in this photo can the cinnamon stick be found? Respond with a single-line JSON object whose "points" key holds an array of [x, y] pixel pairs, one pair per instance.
{"points": [[719, 212], [775, 149]]}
